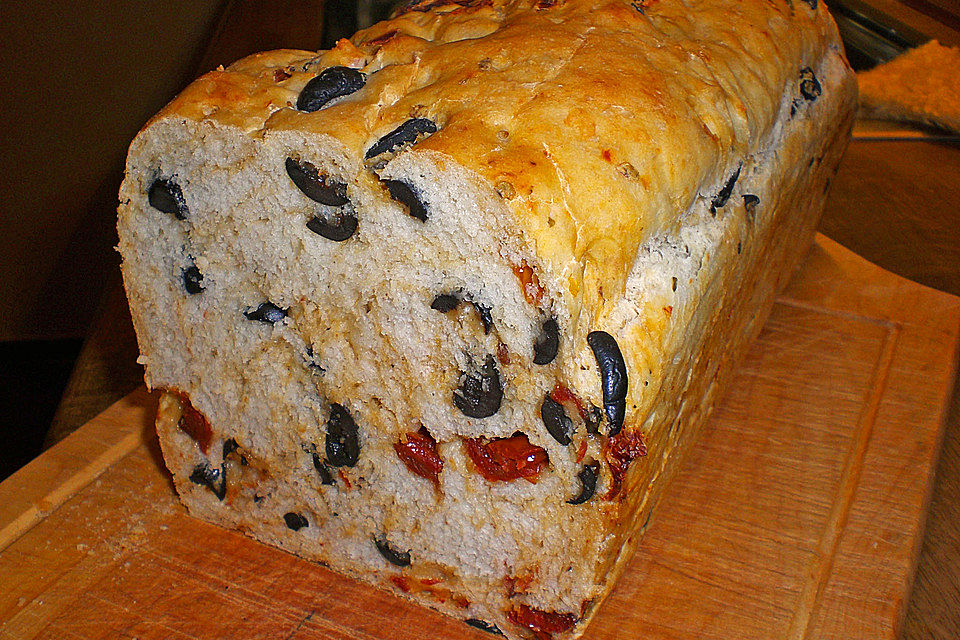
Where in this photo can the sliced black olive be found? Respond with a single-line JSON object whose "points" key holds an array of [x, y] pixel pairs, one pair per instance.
{"points": [[750, 201], [340, 226], [166, 196], [295, 521], [331, 83], [267, 312], [556, 421], [489, 627], [445, 302], [316, 186], [229, 446], [406, 134], [725, 192], [485, 318], [404, 194], [399, 558], [613, 377], [312, 361], [325, 476], [343, 439], [480, 393], [211, 478], [192, 280], [548, 343], [588, 483], [810, 87], [593, 420]]}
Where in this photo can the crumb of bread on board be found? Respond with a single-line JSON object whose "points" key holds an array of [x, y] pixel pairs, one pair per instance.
{"points": [[922, 85]]}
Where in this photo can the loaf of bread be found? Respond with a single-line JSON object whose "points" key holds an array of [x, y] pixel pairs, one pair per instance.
{"points": [[441, 308]]}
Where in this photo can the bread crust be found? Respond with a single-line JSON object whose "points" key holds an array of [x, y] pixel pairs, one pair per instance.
{"points": [[651, 170]]}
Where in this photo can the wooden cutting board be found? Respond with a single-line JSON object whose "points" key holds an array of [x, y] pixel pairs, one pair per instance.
{"points": [[799, 515]]}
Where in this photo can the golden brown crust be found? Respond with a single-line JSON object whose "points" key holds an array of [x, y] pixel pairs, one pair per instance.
{"points": [[546, 74], [598, 148]]}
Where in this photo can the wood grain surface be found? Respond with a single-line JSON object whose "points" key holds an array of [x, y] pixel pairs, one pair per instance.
{"points": [[799, 515], [897, 204]]}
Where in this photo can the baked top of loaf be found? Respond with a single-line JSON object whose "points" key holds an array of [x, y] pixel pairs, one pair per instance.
{"points": [[614, 122], [548, 128]]}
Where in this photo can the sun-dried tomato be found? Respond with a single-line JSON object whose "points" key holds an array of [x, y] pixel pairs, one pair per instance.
{"points": [[582, 451], [563, 395], [620, 451], [419, 453], [504, 459], [503, 355], [542, 623], [402, 582], [529, 283], [193, 423]]}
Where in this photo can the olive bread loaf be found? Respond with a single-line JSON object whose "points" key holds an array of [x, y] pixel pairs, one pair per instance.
{"points": [[442, 307]]}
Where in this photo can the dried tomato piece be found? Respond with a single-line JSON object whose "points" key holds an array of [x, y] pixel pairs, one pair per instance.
{"points": [[563, 395], [620, 451], [420, 455], [529, 283], [505, 459], [542, 623], [193, 423]]}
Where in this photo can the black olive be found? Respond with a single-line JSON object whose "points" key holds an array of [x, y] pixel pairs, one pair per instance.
{"points": [[613, 377], [725, 192], [489, 627], [588, 483], [556, 421], [343, 439], [593, 420], [295, 521], [404, 194], [312, 361], [341, 226], [485, 318], [810, 87], [229, 446], [316, 186], [399, 558], [325, 476], [445, 302], [192, 279], [404, 135], [166, 196], [750, 201], [331, 83], [548, 343], [480, 393], [267, 312], [211, 478]]}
